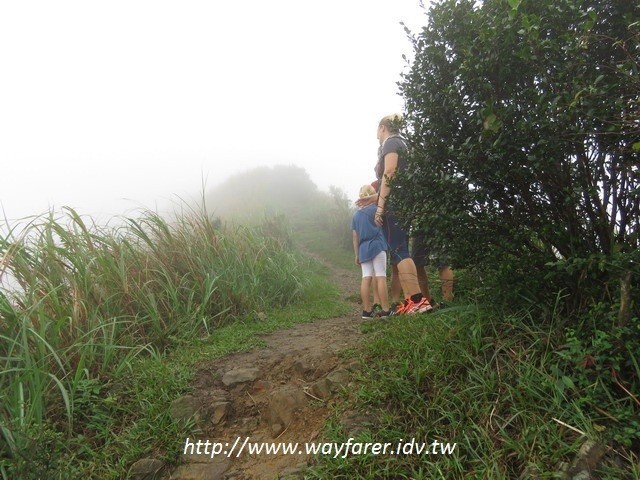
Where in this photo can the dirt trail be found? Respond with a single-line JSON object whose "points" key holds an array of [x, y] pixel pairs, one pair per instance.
{"points": [[280, 393]]}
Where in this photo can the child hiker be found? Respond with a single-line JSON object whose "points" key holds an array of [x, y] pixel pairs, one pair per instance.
{"points": [[370, 250]]}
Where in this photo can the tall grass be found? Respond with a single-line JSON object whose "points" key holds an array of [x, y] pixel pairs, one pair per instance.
{"points": [[78, 301], [488, 382]]}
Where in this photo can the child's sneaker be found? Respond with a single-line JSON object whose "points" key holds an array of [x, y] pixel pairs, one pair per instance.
{"points": [[393, 308], [422, 306], [384, 314], [367, 315]]}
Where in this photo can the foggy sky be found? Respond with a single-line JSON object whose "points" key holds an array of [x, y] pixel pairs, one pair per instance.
{"points": [[113, 106]]}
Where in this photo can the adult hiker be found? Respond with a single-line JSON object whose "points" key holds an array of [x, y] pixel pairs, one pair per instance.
{"points": [[391, 159]]}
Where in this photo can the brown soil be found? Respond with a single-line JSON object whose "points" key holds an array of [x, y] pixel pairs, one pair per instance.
{"points": [[291, 385]]}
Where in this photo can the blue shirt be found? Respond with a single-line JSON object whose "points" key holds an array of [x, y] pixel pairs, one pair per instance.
{"points": [[370, 236]]}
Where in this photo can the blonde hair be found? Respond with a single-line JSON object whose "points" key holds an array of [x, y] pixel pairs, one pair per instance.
{"points": [[392, 122], [366, 190]]}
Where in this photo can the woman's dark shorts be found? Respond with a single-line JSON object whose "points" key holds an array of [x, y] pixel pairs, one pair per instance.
{"points": [[421, 255]]}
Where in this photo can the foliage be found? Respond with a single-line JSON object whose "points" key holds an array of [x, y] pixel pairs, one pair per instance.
{"points": [[603, 366], [79, 303], [523, 123], [125, 417], [490, 383]]}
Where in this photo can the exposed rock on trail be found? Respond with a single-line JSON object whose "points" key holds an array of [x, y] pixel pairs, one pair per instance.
{"points": [[280, 393]]}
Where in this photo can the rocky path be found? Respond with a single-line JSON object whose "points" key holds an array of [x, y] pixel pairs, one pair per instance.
{"points": [[278, 394]]}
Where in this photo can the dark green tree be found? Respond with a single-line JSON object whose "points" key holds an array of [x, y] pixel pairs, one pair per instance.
{"points": [[523, 122], [523, 119]]}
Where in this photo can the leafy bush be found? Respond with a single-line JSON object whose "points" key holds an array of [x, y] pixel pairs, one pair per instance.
{"points": [[522, 124]]}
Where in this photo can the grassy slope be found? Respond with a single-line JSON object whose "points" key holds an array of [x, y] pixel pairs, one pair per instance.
{"points": [[154, 383], [466, 375], [122, 415], [321, 300], [312, 223]]}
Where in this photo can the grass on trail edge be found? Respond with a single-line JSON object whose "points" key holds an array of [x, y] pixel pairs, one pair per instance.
{"points": [[129, 416], [464, 375]]}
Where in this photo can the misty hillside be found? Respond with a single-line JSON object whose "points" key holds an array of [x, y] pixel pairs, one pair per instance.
{"points": [[286, 195], [266, 191]]}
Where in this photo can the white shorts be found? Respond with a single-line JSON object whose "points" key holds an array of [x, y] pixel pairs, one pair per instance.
{"points": [[376, 267]]}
